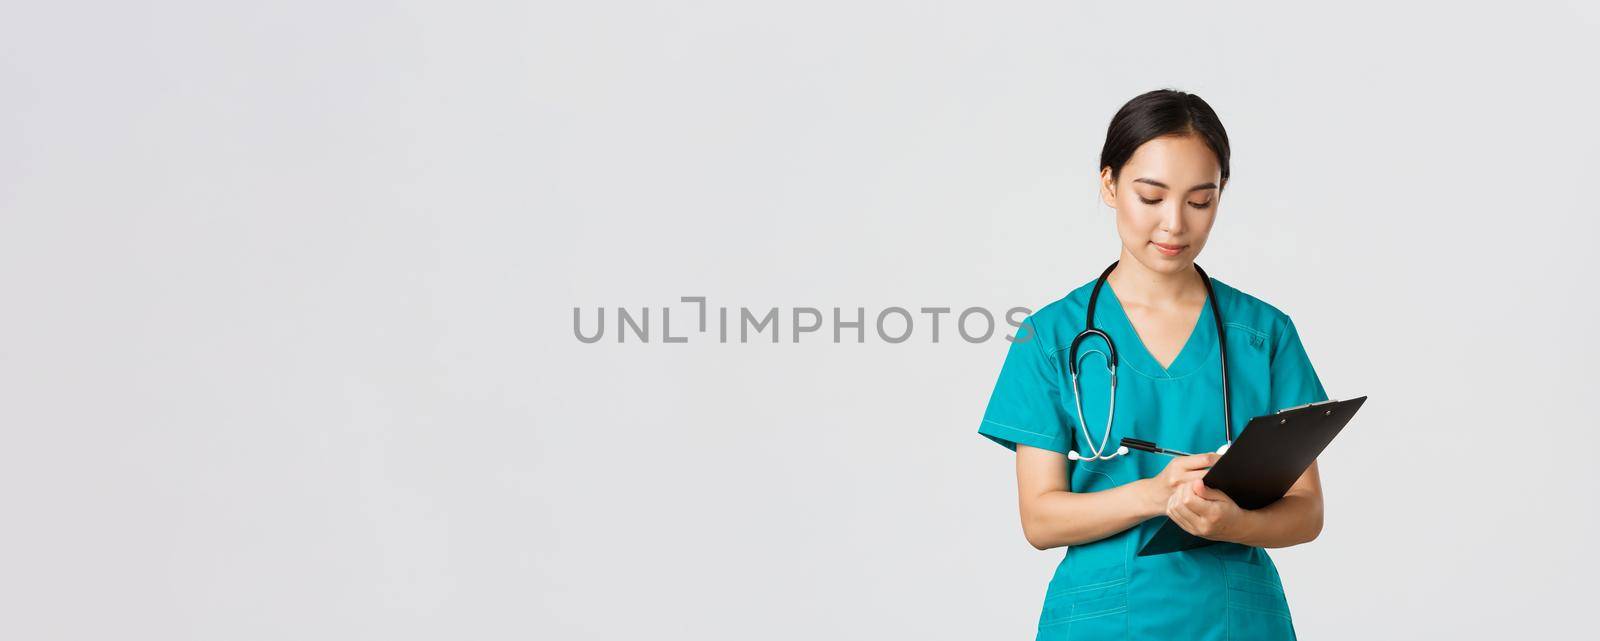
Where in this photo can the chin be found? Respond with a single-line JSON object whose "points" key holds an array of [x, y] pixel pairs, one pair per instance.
{"points": [[1173, 266]]}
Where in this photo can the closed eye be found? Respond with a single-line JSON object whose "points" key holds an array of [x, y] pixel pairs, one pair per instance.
{"points": [[1204, 205]]}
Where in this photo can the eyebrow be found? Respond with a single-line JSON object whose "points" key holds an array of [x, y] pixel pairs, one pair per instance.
{"points": [[1164, 185]]}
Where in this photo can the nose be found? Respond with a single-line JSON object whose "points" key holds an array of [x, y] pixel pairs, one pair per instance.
{"points": [[1172, 217]]}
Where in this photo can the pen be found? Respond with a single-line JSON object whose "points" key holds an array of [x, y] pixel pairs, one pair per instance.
{"points": [[1147, 446]]}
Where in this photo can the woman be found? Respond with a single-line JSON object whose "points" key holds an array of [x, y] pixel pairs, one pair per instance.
{"points": [[1163, 168]]}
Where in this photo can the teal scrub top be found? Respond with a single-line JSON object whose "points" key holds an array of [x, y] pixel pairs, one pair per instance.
{"points": [[1102, 589]]}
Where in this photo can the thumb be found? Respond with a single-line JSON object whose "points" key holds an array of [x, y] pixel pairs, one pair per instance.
{"points": [[1199, 488]]}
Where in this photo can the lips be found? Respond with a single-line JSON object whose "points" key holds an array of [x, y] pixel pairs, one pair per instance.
{"points": [[1168, 250]]}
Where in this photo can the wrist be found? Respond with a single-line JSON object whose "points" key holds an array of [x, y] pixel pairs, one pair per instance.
{"points": [[1244, 526], [1153, 498]]}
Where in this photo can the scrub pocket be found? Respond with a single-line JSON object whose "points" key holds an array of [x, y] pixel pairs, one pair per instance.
{"points": [[1257, 608], [1096, 607]]}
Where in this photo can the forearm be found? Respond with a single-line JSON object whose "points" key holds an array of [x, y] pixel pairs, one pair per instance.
{"points": [[1058, 517], [1291, 520]]}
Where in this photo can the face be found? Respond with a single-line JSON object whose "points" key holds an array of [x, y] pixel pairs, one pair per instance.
{"points": [[1166, 200]]}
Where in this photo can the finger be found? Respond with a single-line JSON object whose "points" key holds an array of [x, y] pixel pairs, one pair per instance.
{"points": [[1183, 516], [1197, 461], [1194, 503], [1195, 515], [1176, 518], [1206, 492], [1176, 498]]}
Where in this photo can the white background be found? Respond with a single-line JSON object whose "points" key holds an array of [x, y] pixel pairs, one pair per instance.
{"points": [[288, 288]]}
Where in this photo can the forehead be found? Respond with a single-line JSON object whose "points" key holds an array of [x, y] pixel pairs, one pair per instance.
{"points": [[1173, 158]]}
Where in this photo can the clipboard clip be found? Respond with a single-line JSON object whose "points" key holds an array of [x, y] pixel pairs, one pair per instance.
{"points": [[1290, 409]]}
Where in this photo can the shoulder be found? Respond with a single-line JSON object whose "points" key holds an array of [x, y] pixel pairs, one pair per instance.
{"points": [[1249, 313], [1057, 323]]}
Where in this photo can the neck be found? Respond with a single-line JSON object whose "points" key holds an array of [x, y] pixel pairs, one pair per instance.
{"points": [[1140, 285]]}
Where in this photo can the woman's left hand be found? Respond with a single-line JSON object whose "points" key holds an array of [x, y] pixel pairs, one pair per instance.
{"points": [[1205, 512]]}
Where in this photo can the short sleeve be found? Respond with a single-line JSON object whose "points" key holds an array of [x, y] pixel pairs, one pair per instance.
{"points": [[1294, 381], [1025, 407]]}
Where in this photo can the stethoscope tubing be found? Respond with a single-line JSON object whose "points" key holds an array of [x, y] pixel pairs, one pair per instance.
{"points": [[1110, 356]]}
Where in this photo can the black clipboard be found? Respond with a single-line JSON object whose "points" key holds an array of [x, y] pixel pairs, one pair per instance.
{"points": [[1267, 458]]}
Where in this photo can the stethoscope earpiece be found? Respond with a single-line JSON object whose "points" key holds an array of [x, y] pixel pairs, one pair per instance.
{"points": [[1073, 455], [1224, 448]]}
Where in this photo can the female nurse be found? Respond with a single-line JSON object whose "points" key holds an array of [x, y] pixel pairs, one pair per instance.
{"points": [[1163, 169]]}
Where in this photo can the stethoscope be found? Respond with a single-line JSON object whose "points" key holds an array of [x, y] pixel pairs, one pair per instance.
{"points": [[1111, 366]]}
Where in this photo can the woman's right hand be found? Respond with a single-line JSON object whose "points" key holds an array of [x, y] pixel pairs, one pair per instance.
{"points": [[1179, 471]]}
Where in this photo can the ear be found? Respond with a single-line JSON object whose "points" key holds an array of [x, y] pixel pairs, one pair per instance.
{"points": [[1108, 188]]}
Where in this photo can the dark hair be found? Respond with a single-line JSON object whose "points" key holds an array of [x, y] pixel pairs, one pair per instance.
{"points": [[1163, 112]]}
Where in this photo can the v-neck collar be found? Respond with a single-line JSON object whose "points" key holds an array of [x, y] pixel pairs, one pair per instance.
{"points": [[1196, 350]]}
